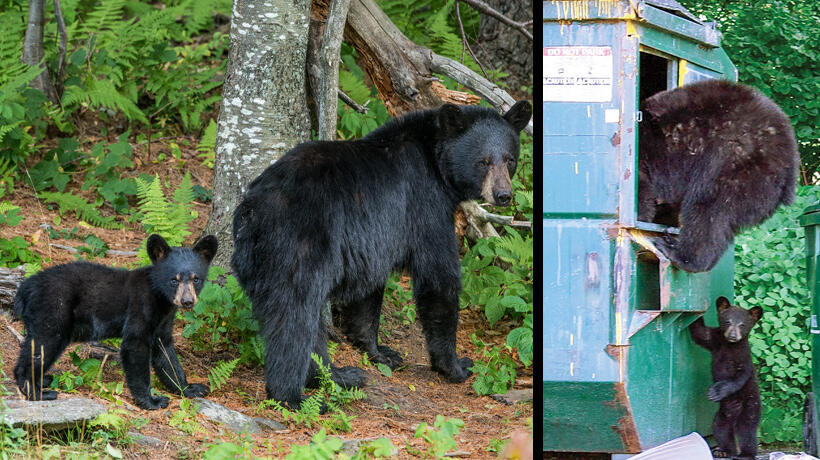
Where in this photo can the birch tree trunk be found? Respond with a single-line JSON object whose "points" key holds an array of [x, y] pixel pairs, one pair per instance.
{"points": [[33, 51], [264, 108]]}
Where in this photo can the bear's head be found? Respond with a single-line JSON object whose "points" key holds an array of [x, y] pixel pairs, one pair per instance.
{"points": [[178, 273], [478, 149], [735, 322]]}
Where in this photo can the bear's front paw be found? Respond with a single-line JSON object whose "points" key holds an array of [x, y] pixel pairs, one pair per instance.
{"points": [[718, 391], [153, 402], [348, 376], [387, 356], [457, 373], [195, 390]]}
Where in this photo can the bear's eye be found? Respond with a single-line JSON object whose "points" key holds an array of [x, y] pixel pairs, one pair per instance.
{"points": [[197, 280], [484, 163], [510, 161], [174, 282]]}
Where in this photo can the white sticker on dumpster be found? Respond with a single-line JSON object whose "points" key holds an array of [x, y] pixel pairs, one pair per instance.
{"points": [[577, 73]]}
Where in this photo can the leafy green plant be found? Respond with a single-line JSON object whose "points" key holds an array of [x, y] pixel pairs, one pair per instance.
{"points": [[223, 319], [497, 374], [184, 418], [441, 438], [329, 395], [220, 374], [321, 447], [770, 272], [82, 209], [14, 251], [497, 274]]}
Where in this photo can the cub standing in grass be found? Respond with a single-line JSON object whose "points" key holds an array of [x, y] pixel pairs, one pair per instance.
{"points": [[735, 386], [81, 301]]}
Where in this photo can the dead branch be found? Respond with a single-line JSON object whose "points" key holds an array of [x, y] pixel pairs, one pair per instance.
{"points": [[353, 104], [58, 12], [327, 98], [466, 44], [10, 279], [110, 252], [486, 9], [488, 90], [486, 216], [454, 97], [13, 331]]}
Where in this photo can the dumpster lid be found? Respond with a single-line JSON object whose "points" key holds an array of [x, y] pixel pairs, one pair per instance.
{"points": [[673, 7], [810, 216]]}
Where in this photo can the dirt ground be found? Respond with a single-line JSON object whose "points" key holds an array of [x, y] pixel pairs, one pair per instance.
{"points": [[394, 405]]}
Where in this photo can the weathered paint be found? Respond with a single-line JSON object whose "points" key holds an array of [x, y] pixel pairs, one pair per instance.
{"points": [[621, 373]]}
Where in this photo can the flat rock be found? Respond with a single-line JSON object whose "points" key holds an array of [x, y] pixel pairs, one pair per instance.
{"points": [[146, 441], [58, 414], [233, 420], [268, 424], [514, 396]]}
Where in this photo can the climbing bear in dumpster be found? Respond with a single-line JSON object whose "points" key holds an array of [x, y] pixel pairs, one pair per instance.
{"points": [[735, 386], [330, 220], [715, 157], [81, 301]]}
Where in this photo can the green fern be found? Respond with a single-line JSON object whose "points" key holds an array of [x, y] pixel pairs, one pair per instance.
{"points": [[102, 93], [82, 209], [207, 144], [170, 219], [220, 374]]}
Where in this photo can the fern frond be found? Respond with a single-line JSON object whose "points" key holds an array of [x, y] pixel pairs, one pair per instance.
{"points": [[159, 215], [102, 93], [220, 374], [82, 209]]}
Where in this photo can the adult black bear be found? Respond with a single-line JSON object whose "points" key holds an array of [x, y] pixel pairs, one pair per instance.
{"points": [[80, 301], [330, 221], [735, 384], [715, 157]]}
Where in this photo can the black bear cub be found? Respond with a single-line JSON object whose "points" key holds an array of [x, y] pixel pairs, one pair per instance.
{"points": [[81, 301], [715, 157], [329, 221], [735, 384]]}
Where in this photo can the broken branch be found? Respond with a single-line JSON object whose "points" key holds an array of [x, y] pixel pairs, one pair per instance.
{"points": [[482, 7]]}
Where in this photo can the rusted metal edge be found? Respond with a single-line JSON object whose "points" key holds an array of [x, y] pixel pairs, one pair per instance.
{"points": [[626, 425]]}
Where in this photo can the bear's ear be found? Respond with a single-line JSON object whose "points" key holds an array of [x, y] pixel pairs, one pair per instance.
{"points": [[449, 120], [722, 304], [158, 249], [756, 313], [519, 115], [206, 247]]}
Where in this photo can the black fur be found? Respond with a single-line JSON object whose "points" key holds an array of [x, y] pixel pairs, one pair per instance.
{"points": [[81, 301], [331, 220], [715, 157], [735, 384]]}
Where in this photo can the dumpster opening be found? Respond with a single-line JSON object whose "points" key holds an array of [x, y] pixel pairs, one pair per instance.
{"points": [[647, 279], [655, 75]]}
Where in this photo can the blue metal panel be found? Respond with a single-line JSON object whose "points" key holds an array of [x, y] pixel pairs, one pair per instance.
{"points": [[577, 300], [581, 143]]}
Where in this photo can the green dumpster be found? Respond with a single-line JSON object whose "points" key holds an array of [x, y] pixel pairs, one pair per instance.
{"points": [[620, 371], [810, 220]]}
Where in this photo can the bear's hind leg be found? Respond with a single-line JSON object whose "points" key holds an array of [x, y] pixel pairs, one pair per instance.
{"points": [[705, 234], [360, 323], [723, 429], [346, 376], [36, 357]]}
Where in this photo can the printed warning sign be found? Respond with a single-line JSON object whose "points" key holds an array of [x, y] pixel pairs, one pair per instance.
{"points": [[578, 73]]}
